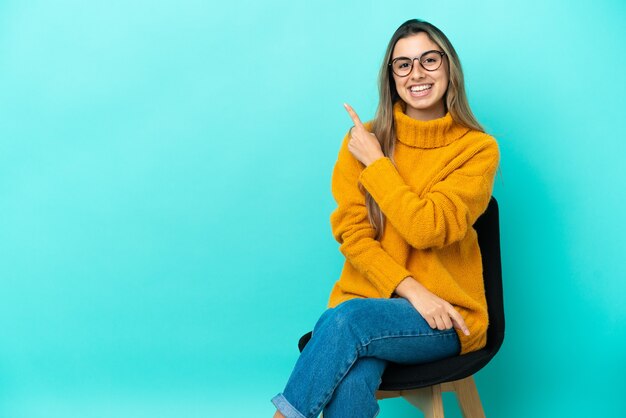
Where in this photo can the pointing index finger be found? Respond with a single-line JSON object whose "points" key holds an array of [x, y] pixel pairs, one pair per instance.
{"points": [[353, 116]]}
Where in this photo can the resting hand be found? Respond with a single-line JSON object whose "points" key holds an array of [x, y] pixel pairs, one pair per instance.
{"points": [[436, 311], [363, 144]]}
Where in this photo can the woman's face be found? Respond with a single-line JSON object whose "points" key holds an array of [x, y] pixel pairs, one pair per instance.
{"points": [[426, 104]]}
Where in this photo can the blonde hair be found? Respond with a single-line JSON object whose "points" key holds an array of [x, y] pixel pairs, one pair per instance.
{"points": [[454, 98]]}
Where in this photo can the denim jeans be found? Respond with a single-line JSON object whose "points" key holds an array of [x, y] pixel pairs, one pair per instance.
{"points": [[340, 369]]}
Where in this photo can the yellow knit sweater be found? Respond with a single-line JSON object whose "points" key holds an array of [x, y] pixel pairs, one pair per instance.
{"points": [[442, 182]]}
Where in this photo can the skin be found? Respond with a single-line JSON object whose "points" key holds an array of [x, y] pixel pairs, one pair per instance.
{"points": [[431, 106]]}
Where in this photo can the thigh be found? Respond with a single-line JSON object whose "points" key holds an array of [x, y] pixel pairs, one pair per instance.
{"points": [[392, 329]]}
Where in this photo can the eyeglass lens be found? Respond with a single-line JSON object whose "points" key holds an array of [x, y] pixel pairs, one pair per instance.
{"points": [[430, 61]]}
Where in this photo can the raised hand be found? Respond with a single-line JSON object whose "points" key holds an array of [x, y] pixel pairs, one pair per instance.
{"points": [[363, 144]]}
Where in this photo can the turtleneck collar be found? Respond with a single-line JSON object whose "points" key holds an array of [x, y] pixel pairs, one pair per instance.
{"points": [[433, 133]]}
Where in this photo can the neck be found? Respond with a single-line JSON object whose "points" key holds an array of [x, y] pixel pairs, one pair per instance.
{"points": [[434, 112]]}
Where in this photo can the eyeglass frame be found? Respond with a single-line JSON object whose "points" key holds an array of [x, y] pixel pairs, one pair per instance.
{"points": [[419, 59]]}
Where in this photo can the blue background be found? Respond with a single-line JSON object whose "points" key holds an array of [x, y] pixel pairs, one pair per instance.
{"points": [[165, 197]]}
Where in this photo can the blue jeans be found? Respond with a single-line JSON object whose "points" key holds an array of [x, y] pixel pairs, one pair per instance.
{"points": [[340, 368]]}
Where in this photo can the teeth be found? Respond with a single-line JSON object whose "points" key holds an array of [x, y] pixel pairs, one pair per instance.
{"points": [[421, 88]]}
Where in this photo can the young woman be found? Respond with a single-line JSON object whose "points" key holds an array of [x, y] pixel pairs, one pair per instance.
{"points": [[409, 185]]}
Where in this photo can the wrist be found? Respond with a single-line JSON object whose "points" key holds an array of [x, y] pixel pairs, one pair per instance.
{"points": [[408, 287], [372, 160]]}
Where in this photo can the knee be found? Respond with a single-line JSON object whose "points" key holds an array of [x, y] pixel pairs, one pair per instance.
{"points": [[353, 311], [347, 317]]}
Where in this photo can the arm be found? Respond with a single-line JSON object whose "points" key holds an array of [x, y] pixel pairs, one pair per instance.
{"points": [[447, 210], [351, 227]]}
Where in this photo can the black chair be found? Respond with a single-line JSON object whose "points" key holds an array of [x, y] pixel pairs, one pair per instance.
{"points": [[422, 384]]}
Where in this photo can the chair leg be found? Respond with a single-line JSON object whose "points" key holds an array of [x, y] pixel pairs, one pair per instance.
{"points": [[427, 399], [468, 398]]}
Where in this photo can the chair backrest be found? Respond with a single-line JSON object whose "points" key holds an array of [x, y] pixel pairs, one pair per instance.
{"points": [[488, 229]]}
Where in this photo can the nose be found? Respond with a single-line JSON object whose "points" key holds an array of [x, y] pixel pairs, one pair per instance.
{"points": [[417, 70]]}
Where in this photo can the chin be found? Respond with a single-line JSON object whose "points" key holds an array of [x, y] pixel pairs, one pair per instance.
{"points": [[422, 104]]}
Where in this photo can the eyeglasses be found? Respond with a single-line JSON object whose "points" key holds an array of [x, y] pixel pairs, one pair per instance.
{"points": [[429, 60]]}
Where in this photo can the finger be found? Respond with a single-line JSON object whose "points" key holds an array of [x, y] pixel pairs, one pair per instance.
{"points": [[459, 322], [353, 116], [431, 322], [447, 321], [440, 323]]}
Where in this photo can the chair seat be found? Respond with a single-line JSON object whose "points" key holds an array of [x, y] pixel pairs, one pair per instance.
{"points": [[404, 377]]}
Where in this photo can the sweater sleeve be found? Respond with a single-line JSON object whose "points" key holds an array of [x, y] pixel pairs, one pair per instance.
{"points": [[352, 229], [448, 208]]}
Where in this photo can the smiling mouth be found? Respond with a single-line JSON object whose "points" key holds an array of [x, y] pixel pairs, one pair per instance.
{"points": [[423, 87]]}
